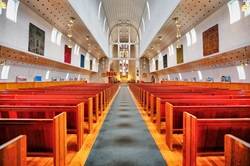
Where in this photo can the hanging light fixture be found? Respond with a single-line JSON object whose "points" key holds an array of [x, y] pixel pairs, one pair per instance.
{"points": [[69, 33], [246, 5], [2, 4], [178, 32]]}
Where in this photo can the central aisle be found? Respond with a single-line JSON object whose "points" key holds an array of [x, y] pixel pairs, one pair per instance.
{"points": [[124, 138]]}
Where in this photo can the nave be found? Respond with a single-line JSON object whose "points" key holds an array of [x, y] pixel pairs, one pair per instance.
{"points": [[124, 82], [124, 138]]}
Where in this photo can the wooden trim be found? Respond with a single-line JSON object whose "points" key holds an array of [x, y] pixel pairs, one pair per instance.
{"points": [[11, 54], [80, 125], [237, 151], [169, 124], [97, 107], [14, 152], [60, 151], [90, 114], [231, 86], [26, 85], [230, 58], [158, 114], [189, 139], [152, 109]]}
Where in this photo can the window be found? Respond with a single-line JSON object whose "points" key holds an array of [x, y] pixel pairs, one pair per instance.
{"points": [[171, 50], [5, 72], [67, 76], [234, 11], [193, 36], [76, 49], [90, 64], [12, 8], [140, 32], [47, 75], [180, 76], [82, 61], [241, 72], [143, 24], [165, 61], [79, 77], [99, 10], [53, 35], [104, 24], [56, 36], [168, 77], [199, 75], [188, 37], [148, 8], [156, 64]]}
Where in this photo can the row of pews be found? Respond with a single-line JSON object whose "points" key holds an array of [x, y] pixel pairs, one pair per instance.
{"points": [[36, 121], [212, 121]]}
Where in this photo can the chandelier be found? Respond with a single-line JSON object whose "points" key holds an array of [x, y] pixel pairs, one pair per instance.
{"points": [[178, 32], [246, 5], [2, 5]]}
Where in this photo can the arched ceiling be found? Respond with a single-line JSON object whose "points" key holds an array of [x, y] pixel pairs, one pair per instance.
{"points": [[124, 10]]}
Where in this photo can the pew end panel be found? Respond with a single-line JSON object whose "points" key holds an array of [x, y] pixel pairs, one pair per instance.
{"points": [[80, 125], [14, 152], [59, 142], [189, 139], [169, 125], [237, 151]]}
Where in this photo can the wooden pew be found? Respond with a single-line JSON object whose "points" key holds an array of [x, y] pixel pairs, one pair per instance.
{"points": [[206, 136], [160, 105], [88, 108], [45, 137], [13, 152], [75, 116], [174, 116], [151, 99], [237, 151]]}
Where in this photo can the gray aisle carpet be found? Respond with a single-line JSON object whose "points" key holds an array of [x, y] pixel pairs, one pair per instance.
{"points": [[124, 139]]}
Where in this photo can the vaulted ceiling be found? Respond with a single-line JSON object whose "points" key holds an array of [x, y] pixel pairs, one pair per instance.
{"points": [[124, 10]]}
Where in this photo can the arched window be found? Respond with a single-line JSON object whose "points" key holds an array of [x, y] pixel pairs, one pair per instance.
{"points": [[99, 10], [148, 9], [12, 8], [234, 11]]}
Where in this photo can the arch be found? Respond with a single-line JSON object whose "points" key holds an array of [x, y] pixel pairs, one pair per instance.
{"points": [[118, 24]]}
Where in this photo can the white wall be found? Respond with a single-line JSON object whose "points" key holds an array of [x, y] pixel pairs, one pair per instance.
{"points": [[88, 12], [214, 73], [231, 36], [29, 71], [16, 35], [160, 11]]}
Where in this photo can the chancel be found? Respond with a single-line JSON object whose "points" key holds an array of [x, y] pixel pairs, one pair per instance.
{"points": [[124, 82]]}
